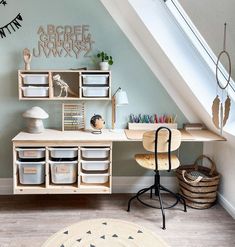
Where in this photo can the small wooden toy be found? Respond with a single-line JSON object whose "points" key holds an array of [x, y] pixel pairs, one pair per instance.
{"points": [[27, 58]]}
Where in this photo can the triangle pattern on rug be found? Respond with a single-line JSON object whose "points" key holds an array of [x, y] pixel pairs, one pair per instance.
{"points": [[92, 233]]}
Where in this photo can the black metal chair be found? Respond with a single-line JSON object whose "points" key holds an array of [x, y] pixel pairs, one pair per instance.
{"points": [[161, 143]]}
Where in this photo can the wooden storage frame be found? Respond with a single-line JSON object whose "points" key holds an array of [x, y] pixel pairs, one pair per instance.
{"points": [[77, 73], [48, 187]]}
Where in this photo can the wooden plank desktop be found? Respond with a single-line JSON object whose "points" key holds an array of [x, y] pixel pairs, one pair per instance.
{"points": [[187, 136], [126, 135]]}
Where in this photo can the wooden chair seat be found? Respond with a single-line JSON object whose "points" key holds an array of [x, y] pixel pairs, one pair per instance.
{"points": [[148, 161]]}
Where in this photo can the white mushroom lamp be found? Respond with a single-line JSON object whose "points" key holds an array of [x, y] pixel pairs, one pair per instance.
{"points": [[34, 116]]}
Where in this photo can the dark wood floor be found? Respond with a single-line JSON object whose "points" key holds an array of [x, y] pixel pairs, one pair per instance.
{"points": [[27, 221]]}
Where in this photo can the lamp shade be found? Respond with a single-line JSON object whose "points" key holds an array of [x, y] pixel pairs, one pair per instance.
{"points": [[121, 98]]}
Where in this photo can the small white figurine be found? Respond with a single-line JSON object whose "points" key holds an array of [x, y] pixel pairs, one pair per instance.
{"points": [[27, 58], [63, 86]]}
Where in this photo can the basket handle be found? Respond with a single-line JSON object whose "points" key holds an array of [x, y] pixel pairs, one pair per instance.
{"points": [[197, 180], [201, 157]]}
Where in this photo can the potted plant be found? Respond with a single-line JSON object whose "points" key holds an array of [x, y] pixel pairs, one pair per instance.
{"points": [[105, 60]]}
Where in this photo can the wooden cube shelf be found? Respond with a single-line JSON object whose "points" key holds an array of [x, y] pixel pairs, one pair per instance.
{"points": [[64, 85]]}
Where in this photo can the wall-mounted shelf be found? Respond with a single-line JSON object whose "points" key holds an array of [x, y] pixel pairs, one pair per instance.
{"points": [[84, 84], [57, 168]]}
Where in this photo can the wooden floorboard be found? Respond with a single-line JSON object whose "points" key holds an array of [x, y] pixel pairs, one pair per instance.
{"points": [[27, 221]]}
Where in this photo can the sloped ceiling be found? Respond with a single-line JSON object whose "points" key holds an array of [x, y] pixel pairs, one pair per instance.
{"points": [[207, 18], [169, 53], [142, 39]]}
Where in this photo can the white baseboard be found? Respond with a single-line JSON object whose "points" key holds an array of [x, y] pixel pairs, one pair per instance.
{"points": [[226, 205], [134, 184], [6, 186], [129, 185]]}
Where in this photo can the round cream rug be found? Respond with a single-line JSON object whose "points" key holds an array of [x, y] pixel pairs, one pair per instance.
{"points": [[104, 233]]}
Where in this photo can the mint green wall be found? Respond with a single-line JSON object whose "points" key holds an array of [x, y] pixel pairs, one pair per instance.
{"points": [[145, 93]]}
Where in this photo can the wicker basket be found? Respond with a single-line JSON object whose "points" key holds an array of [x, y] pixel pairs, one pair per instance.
{"points": [[198, 184]]}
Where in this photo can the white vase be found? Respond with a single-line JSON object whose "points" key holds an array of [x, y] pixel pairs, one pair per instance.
{"points": [[104, 66]]}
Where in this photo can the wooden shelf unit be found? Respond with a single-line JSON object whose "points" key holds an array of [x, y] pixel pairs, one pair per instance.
{"points": [[48, 187], [74, 78]]}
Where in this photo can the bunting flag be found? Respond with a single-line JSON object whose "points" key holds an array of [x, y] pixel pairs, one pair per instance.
{"points": [[11, 26], [3, 2]]}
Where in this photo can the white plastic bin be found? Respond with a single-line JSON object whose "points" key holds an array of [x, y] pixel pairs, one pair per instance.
{"points": [[31, 172], [99, 178], [31, 153], [63, 172], [35, 79], [61, 153], [95, 165], [95, 152], [32, 91], [95, 79], [95, 91]]}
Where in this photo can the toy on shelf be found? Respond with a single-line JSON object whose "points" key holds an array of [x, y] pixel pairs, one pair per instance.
{"points": [[63, 87], [27, 58], [97, 123], [73, 117]]}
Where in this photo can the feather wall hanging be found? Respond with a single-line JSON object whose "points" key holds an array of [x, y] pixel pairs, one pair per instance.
{"points": [[221, 109]]}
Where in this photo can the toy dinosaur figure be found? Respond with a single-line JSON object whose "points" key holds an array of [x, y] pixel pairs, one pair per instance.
{"points": [[63, 86]]}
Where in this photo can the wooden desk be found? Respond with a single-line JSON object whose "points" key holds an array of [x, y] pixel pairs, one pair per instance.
{"points": [[70, 137], [78, 140], [187, 136]]}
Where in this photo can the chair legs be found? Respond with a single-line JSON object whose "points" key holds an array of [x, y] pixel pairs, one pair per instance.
{"points": [[157, 187], [140, 192], [162, 209]]}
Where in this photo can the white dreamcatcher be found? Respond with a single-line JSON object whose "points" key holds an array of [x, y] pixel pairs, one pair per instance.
{"points": [[221, 108]]}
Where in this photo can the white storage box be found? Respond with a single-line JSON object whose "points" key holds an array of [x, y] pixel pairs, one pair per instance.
{"points": [[99, 178], [95, 79], [31, 153], [32, 91], [95, 91], [35, 79], [63, 152], [63, 172], [95, 165], [95, 153], [31, 172]]}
